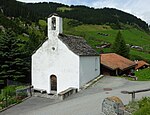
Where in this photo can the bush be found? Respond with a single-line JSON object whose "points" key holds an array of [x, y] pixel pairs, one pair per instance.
{"points": [[8, 96], [1, 101], [144, 107], [9, 91], [74, 23], [143, 111]]}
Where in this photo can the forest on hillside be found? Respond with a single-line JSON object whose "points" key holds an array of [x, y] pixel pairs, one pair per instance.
{"points": [[23, 28], [84, 14]]}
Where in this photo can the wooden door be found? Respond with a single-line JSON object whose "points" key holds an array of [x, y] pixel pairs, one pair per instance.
{"points": [[53, 80]]}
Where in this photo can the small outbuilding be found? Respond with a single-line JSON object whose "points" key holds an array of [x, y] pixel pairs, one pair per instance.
{"points": [[141, 65], [114, 64]]}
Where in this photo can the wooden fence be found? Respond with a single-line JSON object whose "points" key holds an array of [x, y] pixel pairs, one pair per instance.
{"points": [[134, 92]]}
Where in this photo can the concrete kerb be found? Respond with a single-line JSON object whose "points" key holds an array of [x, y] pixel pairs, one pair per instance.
{"points": [[92, 82]]}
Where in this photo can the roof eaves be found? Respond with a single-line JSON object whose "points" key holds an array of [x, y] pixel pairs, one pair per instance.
{"points": [[109, 67], [53, 14], [128, 67]]}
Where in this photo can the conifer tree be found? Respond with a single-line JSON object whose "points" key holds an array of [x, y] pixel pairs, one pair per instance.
{"points": [[12, 64], [119, 46]]}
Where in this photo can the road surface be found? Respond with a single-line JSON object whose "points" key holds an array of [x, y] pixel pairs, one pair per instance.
{"points": [[86, 102]]}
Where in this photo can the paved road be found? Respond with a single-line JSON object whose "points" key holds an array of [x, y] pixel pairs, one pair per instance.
{"points": [[86, 102]]}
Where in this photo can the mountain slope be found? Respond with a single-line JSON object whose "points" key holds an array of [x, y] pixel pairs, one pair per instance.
{"points": [[100, 37], [13, 8], [87, 15], [97, 26]]}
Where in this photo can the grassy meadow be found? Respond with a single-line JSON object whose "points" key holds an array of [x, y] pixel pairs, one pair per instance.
{"points": [[143, 75], [99, 34]]}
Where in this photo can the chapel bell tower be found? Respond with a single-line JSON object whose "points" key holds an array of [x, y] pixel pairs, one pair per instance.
{"points": [[54, 25]]}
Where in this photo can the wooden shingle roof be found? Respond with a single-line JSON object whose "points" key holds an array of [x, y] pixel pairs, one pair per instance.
{"points": [[77, 45]]}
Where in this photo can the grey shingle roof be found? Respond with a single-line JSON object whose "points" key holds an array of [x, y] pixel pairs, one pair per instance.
{"points": [[77, 45]]}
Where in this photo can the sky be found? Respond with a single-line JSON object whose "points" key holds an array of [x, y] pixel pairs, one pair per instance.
{"points": [[139, 8]]}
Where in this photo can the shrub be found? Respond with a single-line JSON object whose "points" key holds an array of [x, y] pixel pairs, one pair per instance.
{"points": [[9, 91], [144, 107], [143, 111], [10, 96]]}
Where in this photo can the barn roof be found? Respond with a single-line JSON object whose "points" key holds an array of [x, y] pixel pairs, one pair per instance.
{"points": [[115, 61], [140, 64], [77, 45]]}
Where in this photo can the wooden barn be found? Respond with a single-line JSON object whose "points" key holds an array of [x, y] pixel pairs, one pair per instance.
{"points": [[141, 65], [114, 64]]}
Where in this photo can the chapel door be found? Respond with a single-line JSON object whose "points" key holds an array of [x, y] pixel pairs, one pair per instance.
{"points": [[53, 80]]}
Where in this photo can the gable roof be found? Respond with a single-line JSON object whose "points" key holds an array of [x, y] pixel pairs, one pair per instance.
{"points": [[140, 64], [53, 14], [77, 45], [115, 61]]}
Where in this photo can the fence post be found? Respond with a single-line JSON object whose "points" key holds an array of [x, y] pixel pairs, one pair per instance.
{"points": [[133, 96]]}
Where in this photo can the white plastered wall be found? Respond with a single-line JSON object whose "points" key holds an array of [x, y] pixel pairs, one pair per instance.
{"points": [[89, 68], [61, 62]]}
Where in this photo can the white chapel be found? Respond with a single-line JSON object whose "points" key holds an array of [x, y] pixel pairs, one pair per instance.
{"points": [[63, 61]]}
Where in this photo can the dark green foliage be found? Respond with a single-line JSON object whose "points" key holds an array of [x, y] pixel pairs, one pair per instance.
{"points": [[74, 23], [33, 43], [12, 60], [119, 46], [9, 23], [9, 96], [144, 107], [13, 8], [136, 57], [15, 62], [9, 91], [87, 15]]}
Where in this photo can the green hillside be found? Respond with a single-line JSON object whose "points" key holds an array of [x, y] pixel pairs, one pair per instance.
{"points": [[99, 34], [25, 26], [85, 14], [131, 35]]}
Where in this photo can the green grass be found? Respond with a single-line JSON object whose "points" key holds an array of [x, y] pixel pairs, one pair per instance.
{"points": [[143, 75], [63, 9], [141, 107], [141, 55], [9, 93], [143, 111], [20, 87], [42, 23], [131, 35]]}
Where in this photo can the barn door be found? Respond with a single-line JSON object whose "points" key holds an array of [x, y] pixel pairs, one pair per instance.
{"points": [[53, 80]]}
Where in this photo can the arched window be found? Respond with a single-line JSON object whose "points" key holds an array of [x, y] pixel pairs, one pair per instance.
{"points": [[53, 23]]}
